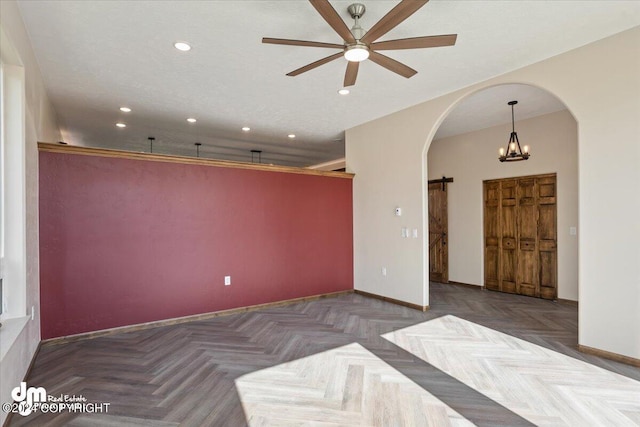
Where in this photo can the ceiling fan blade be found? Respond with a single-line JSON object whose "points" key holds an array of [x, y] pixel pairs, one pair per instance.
{"points": [[402, 11], [416, 42], [351, 74], [330, 15], [315, 64], [290, 42], [392, 64]]}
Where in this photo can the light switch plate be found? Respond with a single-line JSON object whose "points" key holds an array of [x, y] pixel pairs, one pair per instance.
{"points": [[227, 280]]}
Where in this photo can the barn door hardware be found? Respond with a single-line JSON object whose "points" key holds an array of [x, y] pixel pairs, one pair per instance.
{"points": [[444, 181]]}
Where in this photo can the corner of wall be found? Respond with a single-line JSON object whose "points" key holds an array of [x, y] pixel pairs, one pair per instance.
{"points": [[40, 123]]}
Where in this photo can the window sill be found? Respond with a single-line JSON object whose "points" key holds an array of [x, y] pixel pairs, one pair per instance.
{"points": [[9, 332]]}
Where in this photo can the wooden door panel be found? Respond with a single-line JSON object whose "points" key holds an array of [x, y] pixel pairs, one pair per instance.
{"points": [[526, 191], [508, 192], [547, 245], [492, 229], [508, 231], [438, 228], [547, 237], [492, 236], [527, 222], [547, 190], [520, 235], [527, 272], [508, 243], [492, 194], [548, 269], [508, 226], [527, 245], [547, 221], [491, 268], [527, 213], [509, 269]]}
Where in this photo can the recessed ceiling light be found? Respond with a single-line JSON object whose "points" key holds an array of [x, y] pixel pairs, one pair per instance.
{"points": [[121, 125], [343, 91], [184, 47], [191, 120], [246, 129], [125, 109], [291, 136]]}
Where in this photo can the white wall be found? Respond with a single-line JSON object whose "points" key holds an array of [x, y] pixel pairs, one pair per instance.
{"points": [[600, 84], [472, 157], [385, 179], [40, 124]]}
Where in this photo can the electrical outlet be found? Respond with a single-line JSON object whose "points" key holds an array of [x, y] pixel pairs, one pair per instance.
{"points": [[33, 312], [227, 280]]}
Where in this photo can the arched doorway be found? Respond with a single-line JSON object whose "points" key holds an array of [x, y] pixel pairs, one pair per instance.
{"points": [[465, 147]]}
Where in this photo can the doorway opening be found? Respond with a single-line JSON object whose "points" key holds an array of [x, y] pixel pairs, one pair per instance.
{"points": [[466, 146]]}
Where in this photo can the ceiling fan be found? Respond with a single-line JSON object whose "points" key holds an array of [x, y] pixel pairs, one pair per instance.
{"points": [[360, 44]]}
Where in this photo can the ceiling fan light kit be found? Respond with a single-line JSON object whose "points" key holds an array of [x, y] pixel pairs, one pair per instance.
{"points": [[359, 45], [513, 152], [356, 53]]}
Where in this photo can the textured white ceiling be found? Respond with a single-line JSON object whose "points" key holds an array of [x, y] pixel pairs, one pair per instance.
{"points": [[98, 55], [489, 108]]}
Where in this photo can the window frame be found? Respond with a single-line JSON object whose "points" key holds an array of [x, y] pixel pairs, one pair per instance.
{"points": [[13, 219]]}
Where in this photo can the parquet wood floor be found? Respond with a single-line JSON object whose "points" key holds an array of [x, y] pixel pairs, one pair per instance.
{"points": [[542, 385], [206, 373]]}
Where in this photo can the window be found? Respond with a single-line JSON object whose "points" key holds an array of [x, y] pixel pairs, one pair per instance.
{"points": [[13, 271], [2, 170]]}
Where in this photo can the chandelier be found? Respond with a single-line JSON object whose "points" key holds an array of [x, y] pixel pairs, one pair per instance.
{"points": [[513, 151]]}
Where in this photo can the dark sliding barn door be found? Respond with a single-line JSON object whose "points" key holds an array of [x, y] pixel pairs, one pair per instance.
{"points": [[520, 253], [438, 228]]}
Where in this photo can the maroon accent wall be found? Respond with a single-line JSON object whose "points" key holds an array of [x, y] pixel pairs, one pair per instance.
{"points": [[127, 241]]}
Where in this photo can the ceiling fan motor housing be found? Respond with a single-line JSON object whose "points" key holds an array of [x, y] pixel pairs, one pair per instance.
{"points": [[356, 10]]}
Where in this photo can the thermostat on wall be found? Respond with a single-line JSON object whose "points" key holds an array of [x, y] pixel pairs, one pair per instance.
{"points": [[398, 211]]}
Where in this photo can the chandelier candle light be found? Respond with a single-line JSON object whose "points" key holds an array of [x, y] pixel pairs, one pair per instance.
{"points": [[514, 153]]}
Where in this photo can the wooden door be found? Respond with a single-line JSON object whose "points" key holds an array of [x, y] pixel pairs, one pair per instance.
{"points": [[508, 236], [520, 235], [527, 266], [492, 235], [438, 229], [547, 237]]}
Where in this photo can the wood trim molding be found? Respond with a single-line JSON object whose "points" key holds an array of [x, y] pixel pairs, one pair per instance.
{"points": [[100, 152], [185, 319], [466, 285], [609, 355], [392, 300], [567, 301]]}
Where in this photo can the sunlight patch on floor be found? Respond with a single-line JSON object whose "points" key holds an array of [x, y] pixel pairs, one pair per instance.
{"points": [[347, 386], [541, 385]]}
